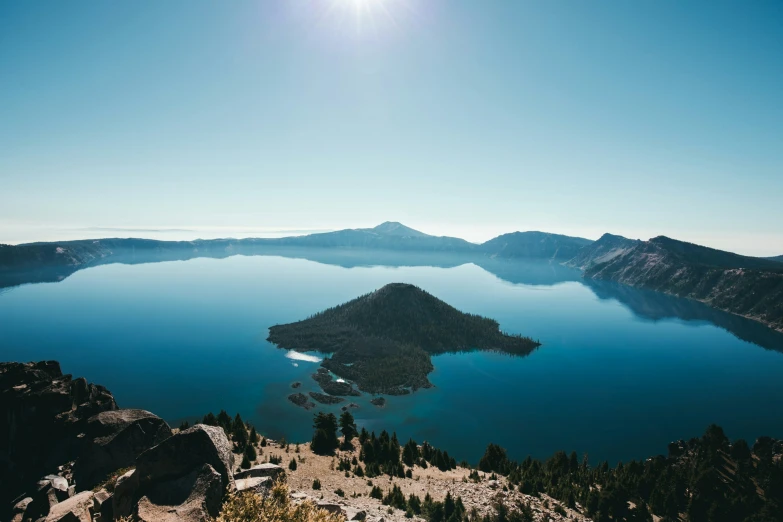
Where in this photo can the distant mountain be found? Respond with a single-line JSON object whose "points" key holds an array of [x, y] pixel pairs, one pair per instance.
{"points": [[605, 249], [779, 259], [386, 236], [55, 260], [747, 286], [383, 340], [540, 245], [393, 228]]}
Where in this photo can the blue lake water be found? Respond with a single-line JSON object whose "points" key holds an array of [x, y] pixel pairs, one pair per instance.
{"points": [[620, 372]]}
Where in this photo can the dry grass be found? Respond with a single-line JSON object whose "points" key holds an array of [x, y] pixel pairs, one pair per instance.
{"points": [[276, 507]]}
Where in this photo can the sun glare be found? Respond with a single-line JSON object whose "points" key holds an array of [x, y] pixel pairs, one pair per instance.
{"points": [[369, 16]]}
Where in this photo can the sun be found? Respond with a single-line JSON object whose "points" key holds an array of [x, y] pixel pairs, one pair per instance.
{"points": [[368, 16]]}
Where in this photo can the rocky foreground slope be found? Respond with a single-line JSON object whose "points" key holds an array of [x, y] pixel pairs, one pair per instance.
{"points": [[68, 453]]}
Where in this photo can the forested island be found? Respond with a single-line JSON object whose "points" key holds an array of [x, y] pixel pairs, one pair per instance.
{"points": [[383, 341]]}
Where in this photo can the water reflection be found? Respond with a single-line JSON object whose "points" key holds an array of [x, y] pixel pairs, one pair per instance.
{"points": [[646, 305]]}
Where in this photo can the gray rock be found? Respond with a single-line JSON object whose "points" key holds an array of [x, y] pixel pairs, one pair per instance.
{"points": [[18, 512], [260, 485], [196, 497], [354, 514], [330, 507], [124, 494], [114, 440], [59, 483], [102, 504], [74, 509], [262, 470], [180, 454]]}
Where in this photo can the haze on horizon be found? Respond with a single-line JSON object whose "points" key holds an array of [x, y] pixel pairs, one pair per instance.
{"points": [[185, 119]]}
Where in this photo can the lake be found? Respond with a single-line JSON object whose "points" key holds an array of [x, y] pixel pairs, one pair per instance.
{"points": [[620, 373]]}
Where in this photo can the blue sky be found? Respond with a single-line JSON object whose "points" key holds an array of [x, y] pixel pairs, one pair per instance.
{"points": [[466, 118]]}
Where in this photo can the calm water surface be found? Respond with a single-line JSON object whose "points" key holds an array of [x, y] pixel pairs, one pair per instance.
{"points": [[620, 373]]}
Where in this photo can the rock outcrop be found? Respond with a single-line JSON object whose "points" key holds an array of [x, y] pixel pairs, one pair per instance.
{"points": [[77, 508], [43, 412], [54, 420], [185, 451], [269, 470], [113, 440], [182, 478], [194, 497]]}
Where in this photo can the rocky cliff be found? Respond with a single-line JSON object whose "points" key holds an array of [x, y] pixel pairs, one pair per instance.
{"points": [[747, 286]]}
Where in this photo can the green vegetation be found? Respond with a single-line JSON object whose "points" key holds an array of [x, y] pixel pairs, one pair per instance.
{"points": [[325, 435], [706, 479], [325, 399], [383, 340], [347, 428]]}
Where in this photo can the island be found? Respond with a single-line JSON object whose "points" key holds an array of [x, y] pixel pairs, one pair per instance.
{"points": [[325, 399], [301, 400], [383, 341]]}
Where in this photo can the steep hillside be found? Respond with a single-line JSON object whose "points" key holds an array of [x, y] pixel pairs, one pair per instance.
{"points": [[383, 340], [747, 286], [539, 245], [779, 259]]}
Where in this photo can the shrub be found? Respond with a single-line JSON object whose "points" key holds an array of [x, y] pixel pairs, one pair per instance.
{"points": [[250, 452], [395, 498], [111, 482], [316, 484], [292, 465], [276, 507], [376, 493], [339, 492], [275, 460]]}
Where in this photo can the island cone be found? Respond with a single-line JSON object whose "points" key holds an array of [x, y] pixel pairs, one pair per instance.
{"points": [[383, 340]]}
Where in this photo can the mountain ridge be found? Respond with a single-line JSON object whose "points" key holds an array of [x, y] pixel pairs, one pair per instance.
{"points": [[747, 286]]}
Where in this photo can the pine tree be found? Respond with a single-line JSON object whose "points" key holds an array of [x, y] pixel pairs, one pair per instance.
{"points": [[347, 427], [325, 436]]}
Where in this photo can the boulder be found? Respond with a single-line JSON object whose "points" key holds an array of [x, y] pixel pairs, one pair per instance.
{"points": [[260, 485], [74, 509], [261, 470], [113, 441], [57, 482], [102, 504], [354, 514], [335, 509], [195, 497], [49, 491], [124, 494], [43, 413], [180, 454], [18, 512]]}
